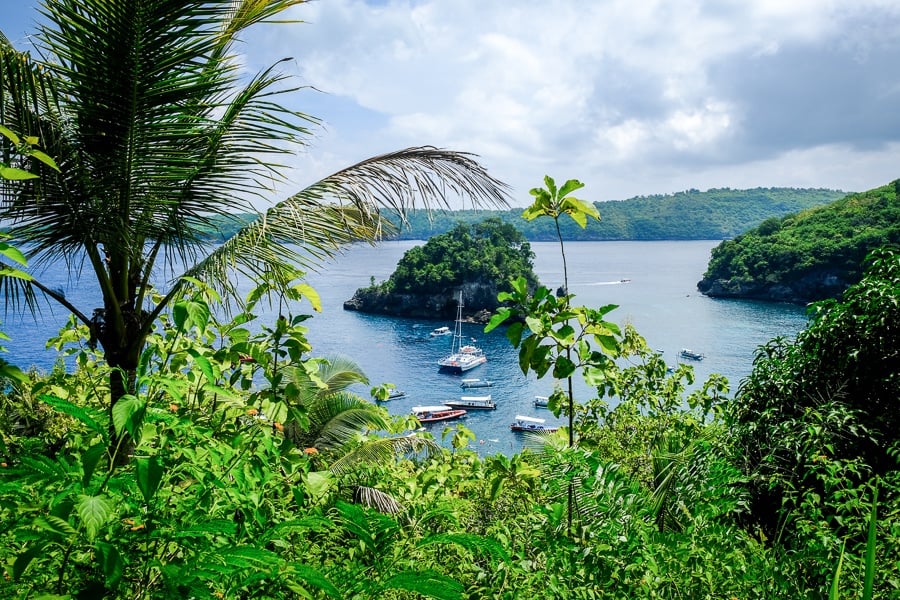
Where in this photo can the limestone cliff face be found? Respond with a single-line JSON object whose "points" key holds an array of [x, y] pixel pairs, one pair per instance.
{"points": [[479, 302], [814, 285]]}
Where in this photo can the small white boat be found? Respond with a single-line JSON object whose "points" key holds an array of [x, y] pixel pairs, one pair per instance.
{"points": [[461, 358], [441, 331], [691, 355], [475, 383], [440, 412], [523, 423], [541, 401], [396, 394], [473, 403]]}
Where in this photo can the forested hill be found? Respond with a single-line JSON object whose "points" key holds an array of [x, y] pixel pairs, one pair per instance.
{"points": [[809, 256], [716, 214]]}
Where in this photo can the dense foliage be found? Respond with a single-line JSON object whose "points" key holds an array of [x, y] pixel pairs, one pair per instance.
{"points": [[833, 397], [489, 251], [807, 256]]}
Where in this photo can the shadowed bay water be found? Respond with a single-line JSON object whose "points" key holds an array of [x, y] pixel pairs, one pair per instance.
{"points": [[659, 298]]}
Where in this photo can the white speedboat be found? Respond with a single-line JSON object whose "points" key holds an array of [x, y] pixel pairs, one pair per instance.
{"points": [[473, 403], [461, 357], [438, 332], [541, 401], [523, 423], [475, 383]]}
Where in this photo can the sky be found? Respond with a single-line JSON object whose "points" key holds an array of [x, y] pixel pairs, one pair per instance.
{"points": [[632, 97]]}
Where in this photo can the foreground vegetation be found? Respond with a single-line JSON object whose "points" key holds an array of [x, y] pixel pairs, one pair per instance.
{"points": [[808, 256]]}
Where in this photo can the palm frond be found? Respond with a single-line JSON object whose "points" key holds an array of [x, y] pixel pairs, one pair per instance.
{"points": [[348, 206], [384, 450], [374, 498], [337, 418]]}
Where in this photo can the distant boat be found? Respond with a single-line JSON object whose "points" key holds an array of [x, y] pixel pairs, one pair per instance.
{"points": [[541, 401], [461, 357], [441, 331], [691, 355], [475, 383], [430, 414], [473, 403], [523, 423], [396, 394]]}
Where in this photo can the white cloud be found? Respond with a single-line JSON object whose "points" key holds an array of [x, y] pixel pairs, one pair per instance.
{"points": [[634, 96]]}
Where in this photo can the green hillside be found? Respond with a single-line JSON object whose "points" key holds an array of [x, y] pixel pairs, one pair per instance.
{"points": [[808, 256], [691, 215], [716, 214]]}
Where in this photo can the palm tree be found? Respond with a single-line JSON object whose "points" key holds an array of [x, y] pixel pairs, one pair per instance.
{"points": [[336, 420], [157, 136]]}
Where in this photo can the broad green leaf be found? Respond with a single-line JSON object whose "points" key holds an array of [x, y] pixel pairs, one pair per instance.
{"points": [[318, 483], [198, 313], [95, 512], [427, 583], [128, 415], [56, 525], [10, 135], [309, 292], [24, 559], [44, 158], [569, 186], [204, 364], [13, 253], [14, 174], [311, 576], [64, 406], [148, 472], [89, 460], [111, 564]]}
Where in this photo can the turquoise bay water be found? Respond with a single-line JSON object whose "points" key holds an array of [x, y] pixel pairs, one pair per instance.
{"points": [[660, 299]]}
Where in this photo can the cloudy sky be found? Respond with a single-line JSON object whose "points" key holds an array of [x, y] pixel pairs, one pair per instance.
{"points": [[633, 97]]}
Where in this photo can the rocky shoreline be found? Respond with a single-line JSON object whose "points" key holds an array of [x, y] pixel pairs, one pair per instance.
{"points": [[479, 303], [813, 286]]}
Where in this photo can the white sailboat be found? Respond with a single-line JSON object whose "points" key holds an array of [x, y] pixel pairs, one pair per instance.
{"points": [[462, 357]]}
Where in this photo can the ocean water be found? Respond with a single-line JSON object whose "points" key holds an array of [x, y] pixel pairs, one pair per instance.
{"points": [[653, 284]]}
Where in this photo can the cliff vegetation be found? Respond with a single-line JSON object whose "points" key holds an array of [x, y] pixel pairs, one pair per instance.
{"points": [[812, 255], [478, 259]]}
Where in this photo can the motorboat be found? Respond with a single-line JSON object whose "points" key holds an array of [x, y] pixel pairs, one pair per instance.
{"points": [[473, 403], [396, 394], [475, 383], [461, 357], [438, 332], [541, 401], [440, 412], [690, 354], [523, 423]]}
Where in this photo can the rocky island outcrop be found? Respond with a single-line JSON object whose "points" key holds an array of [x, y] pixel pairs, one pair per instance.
{"points": [[808, 256], [478, 259]]}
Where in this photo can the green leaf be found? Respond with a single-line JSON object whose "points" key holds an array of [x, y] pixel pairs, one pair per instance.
{"points": [[25, 558], [204, 364], [13, 253], [56, 525], [318, 483], [148, 472], [128, 415], [111, 564], [8, 134], [563, 368], [89, 460], [869, 580], [428, 583], [95, 512], [44, 158], [313, 577], [64, 406], [14, 174], [309, 292]]}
